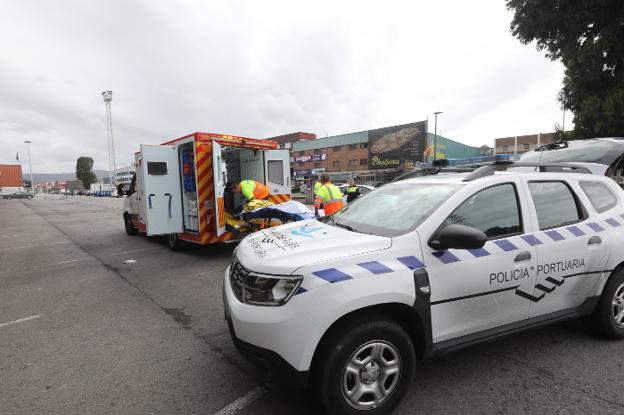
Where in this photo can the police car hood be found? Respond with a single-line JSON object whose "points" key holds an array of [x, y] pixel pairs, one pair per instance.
{"points": [[284, 249]]}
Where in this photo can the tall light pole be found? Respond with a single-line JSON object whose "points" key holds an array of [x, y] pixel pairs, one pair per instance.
{"points": [[435, 136], [108, 97], [32, 184]]}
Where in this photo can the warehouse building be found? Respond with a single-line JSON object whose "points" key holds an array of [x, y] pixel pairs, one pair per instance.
{"points": [[372, 156]]}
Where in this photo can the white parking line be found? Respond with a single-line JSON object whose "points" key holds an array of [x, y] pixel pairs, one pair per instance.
{"points": [[46, 265], [242, 402], [135, 250], [21, 320], [33, 246], [9, 236]]}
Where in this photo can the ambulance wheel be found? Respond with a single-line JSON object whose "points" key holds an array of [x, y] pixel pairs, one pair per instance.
{"points": [[368, 364], [130, 229], [175, 243], [608, 318]]}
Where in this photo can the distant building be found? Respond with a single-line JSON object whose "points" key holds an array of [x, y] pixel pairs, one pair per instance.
{"points": [[372, 156], [522, 143], [123, 175], [10, 175]]}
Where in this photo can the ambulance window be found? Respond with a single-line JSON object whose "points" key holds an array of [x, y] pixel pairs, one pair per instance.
{"points": [[599, 195], [157, 168], [495, 211], [275, 171], [555, 204]]}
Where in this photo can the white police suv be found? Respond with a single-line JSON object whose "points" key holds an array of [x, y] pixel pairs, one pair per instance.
{"points": [[426, 266]]}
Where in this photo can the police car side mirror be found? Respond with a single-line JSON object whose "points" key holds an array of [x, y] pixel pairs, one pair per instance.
{"points": [[458, 237]]}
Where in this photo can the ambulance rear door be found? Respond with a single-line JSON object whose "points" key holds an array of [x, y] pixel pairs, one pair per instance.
{"points": [[162, 199], [219, 176], [277, 171]]}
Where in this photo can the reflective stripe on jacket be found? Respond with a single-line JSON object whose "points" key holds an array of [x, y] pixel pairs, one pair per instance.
{"points": [[331, 197], [252, 189]]}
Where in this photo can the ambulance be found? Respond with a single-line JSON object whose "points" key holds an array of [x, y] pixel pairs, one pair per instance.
{"points": [[423, 267], [180, 187]]}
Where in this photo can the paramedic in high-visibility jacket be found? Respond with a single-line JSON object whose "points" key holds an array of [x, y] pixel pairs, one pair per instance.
{"points": [[251, 190], [329, 195]]}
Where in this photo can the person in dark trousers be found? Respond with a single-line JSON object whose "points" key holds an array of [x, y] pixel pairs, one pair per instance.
{"points": [[352, 191], [120, 190]]}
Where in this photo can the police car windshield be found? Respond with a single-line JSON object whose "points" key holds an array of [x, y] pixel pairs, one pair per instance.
{"points": [[395, 208]]}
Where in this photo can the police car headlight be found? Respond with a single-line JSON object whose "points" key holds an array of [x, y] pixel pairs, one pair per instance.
{"points": [[270, 290]]}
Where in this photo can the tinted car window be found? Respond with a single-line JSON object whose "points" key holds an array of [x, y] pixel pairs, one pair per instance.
{"points": [[599, 195], [493, 211], [555, 204], [588, 151]]}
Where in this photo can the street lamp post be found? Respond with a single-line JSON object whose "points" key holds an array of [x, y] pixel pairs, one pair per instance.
{"points": [[108, 97], [435, 135], [32, 184]]}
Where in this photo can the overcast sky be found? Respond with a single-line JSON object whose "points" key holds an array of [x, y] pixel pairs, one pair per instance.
{"points": [[258, 69]]}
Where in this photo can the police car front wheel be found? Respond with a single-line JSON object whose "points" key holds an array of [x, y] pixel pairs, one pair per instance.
{"points": [[367, 367]]}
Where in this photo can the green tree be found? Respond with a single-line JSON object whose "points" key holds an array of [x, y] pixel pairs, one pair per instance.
{"points": [[84, 171], [588, 37]]}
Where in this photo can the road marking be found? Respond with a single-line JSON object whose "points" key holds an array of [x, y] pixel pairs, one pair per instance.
{"points": [[33, 246], [21, 320], [242, 402], [135, 250], [46, 265], [10, 236]]}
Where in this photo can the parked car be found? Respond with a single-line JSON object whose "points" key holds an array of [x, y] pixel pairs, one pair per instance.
{"points": [[604, 156], [18, 195]]}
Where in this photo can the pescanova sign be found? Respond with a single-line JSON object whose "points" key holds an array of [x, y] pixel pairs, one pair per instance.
{"points": [[391, 146]]}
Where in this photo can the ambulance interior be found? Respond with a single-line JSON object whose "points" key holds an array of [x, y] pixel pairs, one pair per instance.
{"points": [[234, 164]]}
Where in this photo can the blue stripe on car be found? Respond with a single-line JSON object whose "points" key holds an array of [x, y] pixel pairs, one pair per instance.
{"points": [[478, 253], [595, 227], [554, 235], [300, 290], [445, 256], [411, 262], [575, 230], [531, 240], [375, 267], [613, 222], [332, 275], [506, 245]]}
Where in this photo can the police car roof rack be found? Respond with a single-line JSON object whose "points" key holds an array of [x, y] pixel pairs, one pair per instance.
{"points": [[490, 169]]}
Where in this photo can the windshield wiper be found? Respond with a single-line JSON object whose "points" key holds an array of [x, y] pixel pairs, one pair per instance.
{"points": [[342, 225]]}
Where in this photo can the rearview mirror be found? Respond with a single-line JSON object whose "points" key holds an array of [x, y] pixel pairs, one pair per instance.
{"points": [[458, 237]]}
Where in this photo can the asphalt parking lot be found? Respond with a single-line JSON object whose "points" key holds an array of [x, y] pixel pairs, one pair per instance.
{"points": [[95, 321]]}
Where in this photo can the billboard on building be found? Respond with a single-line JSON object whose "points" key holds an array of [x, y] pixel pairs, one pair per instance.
{"points": [[390, 147]]}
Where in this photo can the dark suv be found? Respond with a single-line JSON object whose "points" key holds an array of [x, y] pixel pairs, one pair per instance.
{"points": [[604, 156]]}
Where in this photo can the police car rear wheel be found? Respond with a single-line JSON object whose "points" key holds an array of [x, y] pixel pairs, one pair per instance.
{"points": [[368, 367], [608, 318]]}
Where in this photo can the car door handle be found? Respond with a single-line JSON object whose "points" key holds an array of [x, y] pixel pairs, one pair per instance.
{"points": [[523, 256], [149, 199], [594, 240]]}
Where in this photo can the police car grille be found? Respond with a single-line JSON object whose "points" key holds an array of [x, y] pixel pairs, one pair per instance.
{"points": [[238, 274]]}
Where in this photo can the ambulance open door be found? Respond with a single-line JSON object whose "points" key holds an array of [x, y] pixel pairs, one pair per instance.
{"points": [[219, 174], [277, 171], [161, 181]]}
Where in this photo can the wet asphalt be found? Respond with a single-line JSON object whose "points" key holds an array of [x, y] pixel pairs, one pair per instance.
{"points": [[93, 321]]}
